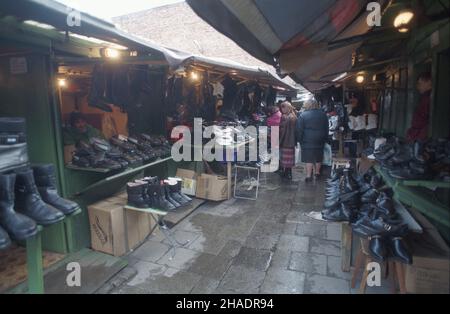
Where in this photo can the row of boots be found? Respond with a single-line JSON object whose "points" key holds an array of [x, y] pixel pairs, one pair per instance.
{"points": [[366, 203], [150, 192], [29, 198], [417, 161]]}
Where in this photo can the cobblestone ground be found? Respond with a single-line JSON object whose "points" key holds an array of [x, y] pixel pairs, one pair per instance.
{"points": [[243, 246]]}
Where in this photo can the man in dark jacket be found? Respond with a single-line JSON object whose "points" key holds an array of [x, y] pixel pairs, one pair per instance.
{"points": [[312, 133]]}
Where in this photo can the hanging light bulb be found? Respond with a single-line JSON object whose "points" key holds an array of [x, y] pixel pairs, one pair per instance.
{"points": [[360, 79], [62, 82], [402, 20], [194, 76], [111, 53]]}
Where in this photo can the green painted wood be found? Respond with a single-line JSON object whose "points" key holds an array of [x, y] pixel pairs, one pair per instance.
{"points": [[54, 238], [34, 264], [69, 227], [147, 210], [431, 185]]}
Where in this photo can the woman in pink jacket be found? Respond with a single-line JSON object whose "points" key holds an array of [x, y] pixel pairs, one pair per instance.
{"points": [[275, 116]]}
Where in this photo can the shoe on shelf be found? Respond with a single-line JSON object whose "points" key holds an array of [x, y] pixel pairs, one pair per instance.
{"points": [[399, 251], [137, 195], [29, 202], [377, 248], [18, 226], [45, 179]]}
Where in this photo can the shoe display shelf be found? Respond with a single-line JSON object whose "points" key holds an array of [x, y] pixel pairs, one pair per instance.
{"points": [[419, 196]]}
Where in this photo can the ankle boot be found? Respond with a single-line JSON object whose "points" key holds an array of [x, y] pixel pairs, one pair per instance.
{"points": [[169, 197], [349, 184], [137, 194], [181, 193], [157, 195], [4, 239], [30, 203], [18, 226], [173, 191], [44, 176]]}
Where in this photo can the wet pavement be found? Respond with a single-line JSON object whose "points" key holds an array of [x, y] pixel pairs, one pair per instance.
{"points": [[243, 246]]}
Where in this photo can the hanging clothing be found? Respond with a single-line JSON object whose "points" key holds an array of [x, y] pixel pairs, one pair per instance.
{"points": [[274, 119]]}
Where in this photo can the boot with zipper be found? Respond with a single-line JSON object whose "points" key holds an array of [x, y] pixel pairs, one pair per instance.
{"points": [[18, 226], [30, 203], [44, 176]]}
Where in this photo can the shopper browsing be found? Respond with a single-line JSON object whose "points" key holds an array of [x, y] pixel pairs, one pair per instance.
{"points": [[287, 139], [79, 130], [419, 125], [312, 133]]}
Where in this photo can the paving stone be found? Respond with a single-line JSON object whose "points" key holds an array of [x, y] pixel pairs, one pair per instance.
{"points": [[308, 263], [173, 281], [334, 268], [211, 266], [253, 258], [293, 243], [326, 285], [326, 247], [334, 231], [211, 244], [280, 259], [263, 227], [279, 281], [182, 260], [312, 230], [145, 271], [150, 251], [230, 249], [289, 228], [241, 279], [205, 286], [262, 242]]}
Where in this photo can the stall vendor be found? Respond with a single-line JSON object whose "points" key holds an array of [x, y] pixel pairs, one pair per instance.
{"points": [[420, 121], [79, 130]]}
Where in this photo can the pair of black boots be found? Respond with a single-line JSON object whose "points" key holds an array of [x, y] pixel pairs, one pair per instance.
{"points": [[383, 248], [27, 199], [149, 192], [342, 196]]}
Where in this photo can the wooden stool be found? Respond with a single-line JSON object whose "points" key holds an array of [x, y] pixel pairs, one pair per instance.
{"points": [[392, 268]]}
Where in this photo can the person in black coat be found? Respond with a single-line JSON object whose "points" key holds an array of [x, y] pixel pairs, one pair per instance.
{"points": [[312, 133]]}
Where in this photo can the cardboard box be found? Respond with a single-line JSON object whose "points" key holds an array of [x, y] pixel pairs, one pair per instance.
{"points": [[138, 226], [212, 187], [430, 271], [189, 184], [107, 228]]}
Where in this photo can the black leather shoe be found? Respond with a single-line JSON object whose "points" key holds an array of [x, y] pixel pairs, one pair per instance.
{"points": [[369, 227], [376, 182], [399, 251], [44, 176], [377, 248], [370, 196], [334, 214], [385, 156], [137, 195], [333, 202], [169, 197], [30, 203], [18, 226], [176, 195], [4, 239], [386, 204]]}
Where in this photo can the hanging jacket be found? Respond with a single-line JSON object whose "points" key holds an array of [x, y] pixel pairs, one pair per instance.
{"points": [[312, 129]]}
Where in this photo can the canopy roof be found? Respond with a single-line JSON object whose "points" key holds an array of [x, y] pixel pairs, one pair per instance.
{"points": [[295, 34], [55, 14]]}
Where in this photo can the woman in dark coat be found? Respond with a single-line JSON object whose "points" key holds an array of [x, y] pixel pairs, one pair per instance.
{"points": [[312, 133], [287, 139]]}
